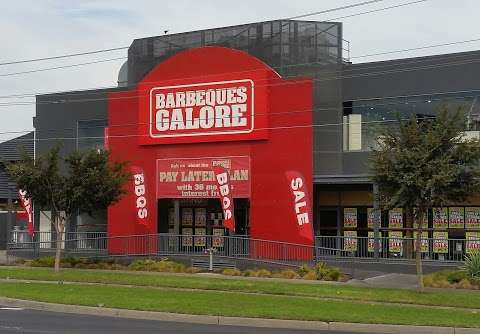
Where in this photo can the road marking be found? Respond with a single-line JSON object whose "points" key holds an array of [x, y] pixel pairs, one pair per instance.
{"points": [[11, 308]]}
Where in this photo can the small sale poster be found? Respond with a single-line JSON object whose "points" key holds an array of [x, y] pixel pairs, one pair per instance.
{"points": [[440, 218], [440, 242], [350, 217], [423, 242], [373, 216], [416, 220], [456, 218], [395, 218], [371, 242], [350, 242], [472, 217], [472, 242], [187, 240], [200, 240], [395, 240]]}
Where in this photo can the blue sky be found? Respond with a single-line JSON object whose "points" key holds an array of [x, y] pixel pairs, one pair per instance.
{"points": [[31, 29]]}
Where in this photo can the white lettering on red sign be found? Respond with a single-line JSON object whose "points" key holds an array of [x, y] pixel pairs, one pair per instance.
{"points": [[301, 209], [222, 180], [141, 201], [202, 109]]}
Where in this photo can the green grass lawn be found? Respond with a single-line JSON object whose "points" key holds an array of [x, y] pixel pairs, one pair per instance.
{"points": [[439, 298], [238, 304]]}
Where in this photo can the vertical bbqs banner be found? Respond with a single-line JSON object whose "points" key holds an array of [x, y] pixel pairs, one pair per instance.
{"points": [[140, 191], [26, 204], [225, 194], [301, 205]]}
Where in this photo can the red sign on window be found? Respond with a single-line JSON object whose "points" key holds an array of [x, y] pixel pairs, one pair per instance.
{"points": [[195, 178]]}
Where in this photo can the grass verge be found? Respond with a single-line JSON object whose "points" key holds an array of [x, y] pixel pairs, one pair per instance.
{"points": [[438, 298], [238, 304]]}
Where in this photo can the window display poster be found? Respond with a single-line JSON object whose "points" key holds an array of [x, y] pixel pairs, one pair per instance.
{"points": [[395, 240], [217, 239], [187, 216], [395, 218], [425, 220], [440, 218], [423, 242], [473, 242], [186, 239], [350, 241], [200, 239], [371, 242], [440, 242], [472, 215], [171, 217], [200, 217], [350, 217], [456, 217], [373, 216]]}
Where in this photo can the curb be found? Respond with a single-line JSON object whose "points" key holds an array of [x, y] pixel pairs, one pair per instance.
{"points": [[235, 321]]}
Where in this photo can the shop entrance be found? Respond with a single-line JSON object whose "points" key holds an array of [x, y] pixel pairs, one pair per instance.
{"points": [[200, 217]]}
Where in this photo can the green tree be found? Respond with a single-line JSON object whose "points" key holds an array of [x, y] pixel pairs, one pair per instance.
{"points": [[82, 182], [423, 163]]}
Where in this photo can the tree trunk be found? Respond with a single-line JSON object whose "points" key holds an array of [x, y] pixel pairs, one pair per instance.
{"points": [[418, 250], [58, 251], [408, 242]]}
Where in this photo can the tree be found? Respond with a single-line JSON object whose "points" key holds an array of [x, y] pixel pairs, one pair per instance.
{"points": [[82, 182], [424, 163]]}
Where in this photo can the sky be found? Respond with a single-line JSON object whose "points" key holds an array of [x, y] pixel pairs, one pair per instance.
{"points": [[45, 28]]}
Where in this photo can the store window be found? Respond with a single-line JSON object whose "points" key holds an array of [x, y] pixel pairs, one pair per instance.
{"points": [[91, 134], [363, 120]]}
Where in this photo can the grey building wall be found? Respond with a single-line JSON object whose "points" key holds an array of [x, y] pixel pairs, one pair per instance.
{"points": [[455, 72]]}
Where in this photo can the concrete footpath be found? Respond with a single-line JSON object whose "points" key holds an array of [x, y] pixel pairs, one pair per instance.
{"points": [[234, 321]]}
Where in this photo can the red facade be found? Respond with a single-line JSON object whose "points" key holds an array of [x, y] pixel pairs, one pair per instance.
{"points": [[265, 120]]}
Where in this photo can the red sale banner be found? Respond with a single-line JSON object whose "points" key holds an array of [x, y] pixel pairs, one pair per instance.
{"points": [[26, 204], [195, 178], [301, 204], [141, 208], [225, 195]]}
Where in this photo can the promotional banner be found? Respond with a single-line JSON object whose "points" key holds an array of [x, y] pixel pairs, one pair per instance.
{"points": [[195, 178], [423, 242], [200, 240], [225, 194], [26, 204], [301, 207], [440, 242], [140, 191], [395, 240], [187, 240], [373, 216], [350, 217], [456, 218], [472, 217], [217, 239], [473, 242], [371, 242], [395, 218], [415, 220], [440, 218], [350, 241]]}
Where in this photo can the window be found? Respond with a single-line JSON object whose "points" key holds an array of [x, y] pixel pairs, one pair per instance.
{"points": [[91, 134]]}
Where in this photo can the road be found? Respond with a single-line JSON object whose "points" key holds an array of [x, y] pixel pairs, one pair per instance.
{"points": [[15, 320]]}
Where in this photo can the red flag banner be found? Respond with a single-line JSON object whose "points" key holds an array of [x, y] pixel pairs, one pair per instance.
{"points": [[301, 204], [26, 204], [140, 205], [225, 194]]}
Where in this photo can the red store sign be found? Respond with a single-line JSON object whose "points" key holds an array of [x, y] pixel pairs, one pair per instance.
{"points": [[195, 178]]}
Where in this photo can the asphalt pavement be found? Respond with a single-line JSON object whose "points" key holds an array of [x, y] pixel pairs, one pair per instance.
{"points": [[19, 320]]}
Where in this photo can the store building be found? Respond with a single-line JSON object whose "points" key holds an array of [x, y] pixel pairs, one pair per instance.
{"points": [[269, 101]]}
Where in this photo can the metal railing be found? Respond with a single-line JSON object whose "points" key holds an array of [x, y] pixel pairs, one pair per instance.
{"points": [[243, 247]]}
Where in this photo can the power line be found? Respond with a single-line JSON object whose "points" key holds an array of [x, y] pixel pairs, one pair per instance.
{"points": [[385, 72], [63, 56]]}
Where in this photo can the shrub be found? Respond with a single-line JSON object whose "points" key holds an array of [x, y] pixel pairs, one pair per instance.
{"points": [[263, 273], [456, 276], [46, 261], [163, 265], [311, 275], [249, 273], [192, 270], [289, 274], [304, 269], [231, 272], [472, 265], [464, 284]]}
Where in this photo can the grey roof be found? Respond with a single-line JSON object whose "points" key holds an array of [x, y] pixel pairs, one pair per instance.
{"points": [[11, 150]]}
